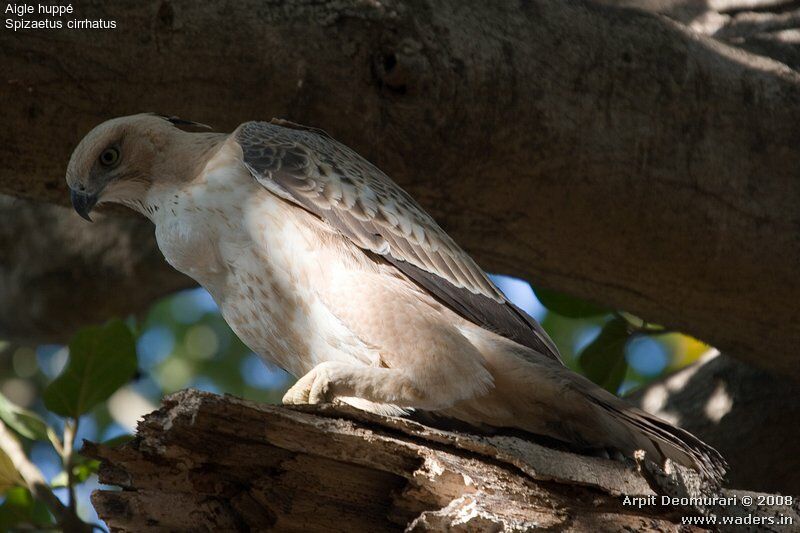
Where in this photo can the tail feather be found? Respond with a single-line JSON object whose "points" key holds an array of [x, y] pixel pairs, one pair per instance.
{"points": [[538, 395], [668, 441]]}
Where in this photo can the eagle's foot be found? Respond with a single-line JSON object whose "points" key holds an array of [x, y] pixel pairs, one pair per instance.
{"points": [[364, 387], [315, 387]]}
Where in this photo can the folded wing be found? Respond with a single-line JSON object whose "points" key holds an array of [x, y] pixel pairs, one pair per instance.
{"points": [[310, 169]]}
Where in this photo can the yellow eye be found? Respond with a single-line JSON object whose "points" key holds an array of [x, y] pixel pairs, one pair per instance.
{"points": [[109, 157]]}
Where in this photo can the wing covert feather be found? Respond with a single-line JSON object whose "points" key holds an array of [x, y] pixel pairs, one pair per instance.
{"points": [[307, 167]]}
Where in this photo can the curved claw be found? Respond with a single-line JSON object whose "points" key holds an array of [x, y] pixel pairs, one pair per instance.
{"points": [[313, 388]]}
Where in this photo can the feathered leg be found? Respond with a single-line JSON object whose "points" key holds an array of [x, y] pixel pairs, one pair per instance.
{"points": [[335, 380]]}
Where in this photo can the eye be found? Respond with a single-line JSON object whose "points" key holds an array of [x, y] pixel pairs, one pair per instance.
{"points": [[109, 157]]}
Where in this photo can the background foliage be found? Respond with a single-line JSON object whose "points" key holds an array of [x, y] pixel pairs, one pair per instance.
{"points": [[109, 376]]}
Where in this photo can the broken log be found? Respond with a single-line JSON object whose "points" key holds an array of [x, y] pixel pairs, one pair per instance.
{"points": [[208, 462]]}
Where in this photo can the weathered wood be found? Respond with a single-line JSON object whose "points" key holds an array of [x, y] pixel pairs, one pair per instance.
{"points": [[206, 462]]}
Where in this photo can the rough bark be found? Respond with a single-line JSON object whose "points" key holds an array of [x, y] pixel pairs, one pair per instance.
{"points": [[747, 414], [204, 462], [608, 153]]}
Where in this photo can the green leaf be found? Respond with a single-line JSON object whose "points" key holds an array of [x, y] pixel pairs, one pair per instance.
{"points": [[9, 477], [20, 508], [603, 360], [101, 360], [567, 306], [80, 473], [26, 423], [59, 480]]}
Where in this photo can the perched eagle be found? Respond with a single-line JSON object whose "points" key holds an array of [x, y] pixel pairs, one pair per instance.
{"points": [[322, 265]]}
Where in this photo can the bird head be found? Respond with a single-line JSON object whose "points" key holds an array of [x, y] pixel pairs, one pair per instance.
{"points": [[119, 160]]}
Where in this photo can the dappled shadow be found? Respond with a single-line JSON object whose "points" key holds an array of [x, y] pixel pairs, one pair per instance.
{"points": [[749, 415]]}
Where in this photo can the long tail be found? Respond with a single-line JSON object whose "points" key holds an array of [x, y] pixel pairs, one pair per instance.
{"points": [[661, 440], [538, 395]]}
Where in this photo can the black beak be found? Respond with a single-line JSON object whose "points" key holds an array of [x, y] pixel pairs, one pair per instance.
{"points": [[82, 202]]}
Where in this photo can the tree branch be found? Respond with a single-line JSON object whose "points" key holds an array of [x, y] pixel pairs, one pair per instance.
{"points": [[65, 516], [58, 273]]}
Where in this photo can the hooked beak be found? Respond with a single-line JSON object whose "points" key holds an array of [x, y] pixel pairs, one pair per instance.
{"points": [[82, 202]]}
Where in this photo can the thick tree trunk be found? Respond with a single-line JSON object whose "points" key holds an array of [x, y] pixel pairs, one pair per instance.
{"points": [[204, 462], [58, 273], [607, 153]]}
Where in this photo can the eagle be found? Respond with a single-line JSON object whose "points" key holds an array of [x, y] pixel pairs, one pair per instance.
{"points": [[324, 266]]}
